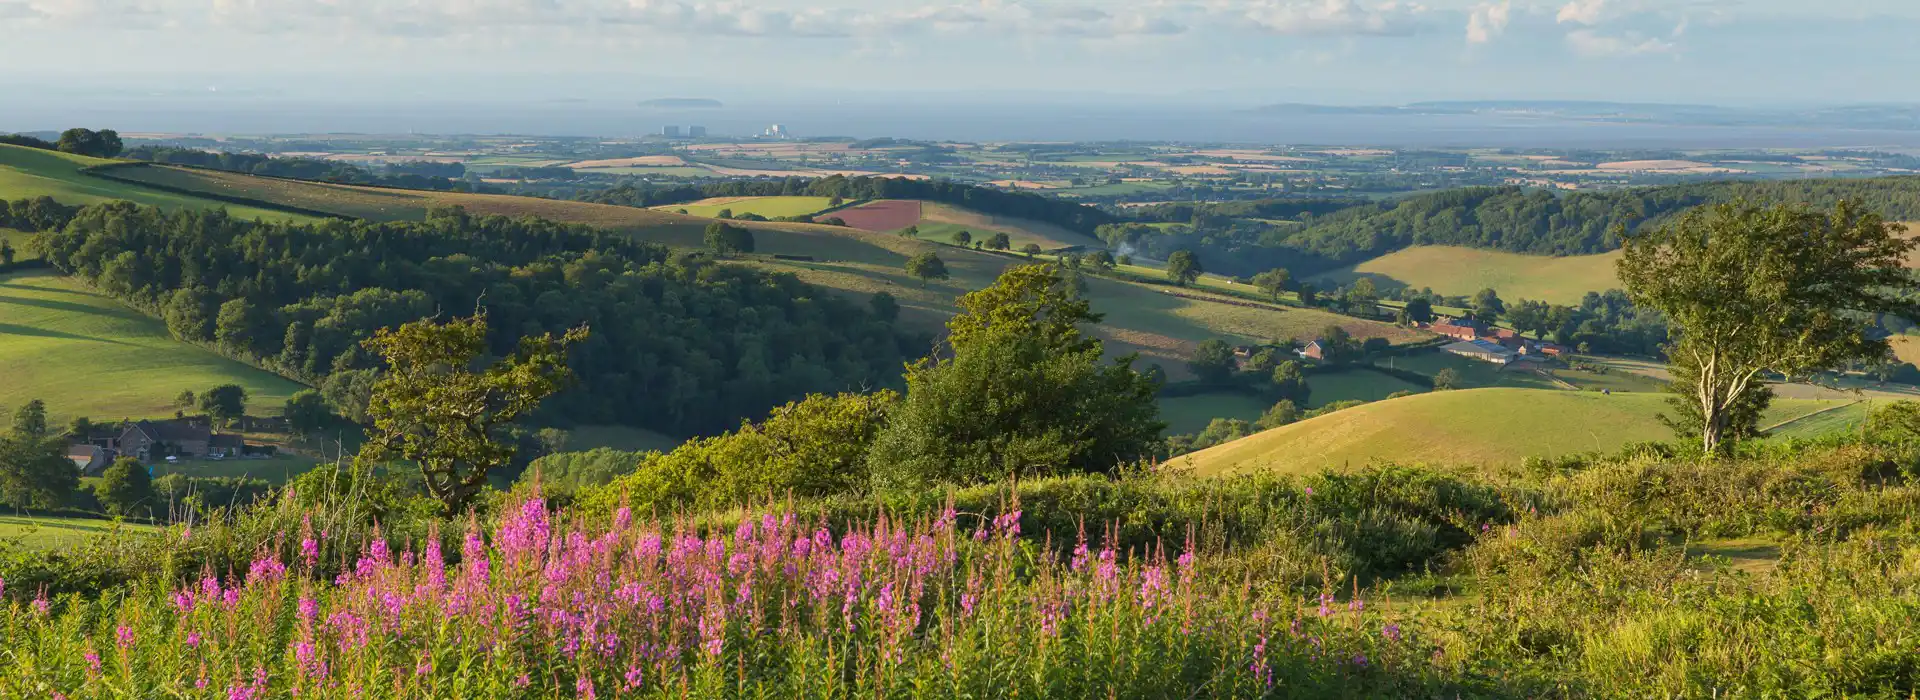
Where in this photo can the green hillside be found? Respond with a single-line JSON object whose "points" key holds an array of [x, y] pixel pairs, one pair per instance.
{"points": [[1456, 271], [85, 354], [1475, 426], [769, 207], [31, 172], [938, 222]]}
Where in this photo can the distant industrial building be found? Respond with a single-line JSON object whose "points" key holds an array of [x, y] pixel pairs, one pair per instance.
{"points": [[672, 132], [696, 132], [777, 131]]}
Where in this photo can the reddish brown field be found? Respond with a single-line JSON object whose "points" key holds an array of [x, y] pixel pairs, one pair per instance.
{"points": [[884, 215]]}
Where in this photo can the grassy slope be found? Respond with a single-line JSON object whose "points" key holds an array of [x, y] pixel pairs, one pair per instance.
{"points": [[48, 533], [938, 222], [29, 172], [769, 207], [85, 354], [1461, 271], [1477, 426]]}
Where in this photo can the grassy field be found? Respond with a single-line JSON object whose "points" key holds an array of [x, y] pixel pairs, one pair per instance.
{"points": [[1462, 271], [380, 204], [1355, 385], [1474, 426], [49, 533], [769, 207], [938, 222], [19, 241], [87, 355], [276, 470], [1191, 414], [31, 172]]}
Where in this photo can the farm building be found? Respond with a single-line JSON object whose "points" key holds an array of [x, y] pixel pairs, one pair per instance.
{"points": [[1482, 350], [1314, 351], [90, 459], [1459, 329]]}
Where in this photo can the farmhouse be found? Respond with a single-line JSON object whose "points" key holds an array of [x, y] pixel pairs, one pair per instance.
{"points": [[1314, 351], [1482, 350], [154, 439]]}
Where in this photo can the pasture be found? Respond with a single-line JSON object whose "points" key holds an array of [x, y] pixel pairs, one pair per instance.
{"points": [[770, 207], [939, 221], [88, 355], [31, 172], [883, 215], [1191, 414], [1455, 271], [1474, 426], [37, 532]]}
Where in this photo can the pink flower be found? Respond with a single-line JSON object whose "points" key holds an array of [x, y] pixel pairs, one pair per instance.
{"points": [[123, 635], [193, 640], [309, 551], [93, 661], [584, 688]]}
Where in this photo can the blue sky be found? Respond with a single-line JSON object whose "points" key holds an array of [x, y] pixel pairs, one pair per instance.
{"points": [[1255, 51]]}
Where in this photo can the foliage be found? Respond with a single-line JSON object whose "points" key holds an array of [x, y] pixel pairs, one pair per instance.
{"points": [[988, 200], [432, 409], [926, 267], [1183, 267], [726, 240], [127, 489], [999, 241], [1290, 383], [104, 143], [1754, 291], [814, 447], [681, 345], [1446, 379], [224, 403], [306, 412], [1274, 282], [1213, 361], [1024, 393], [34, 469]]}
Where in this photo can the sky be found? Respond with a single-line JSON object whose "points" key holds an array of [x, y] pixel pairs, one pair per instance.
{"points": [[1749, 52]]}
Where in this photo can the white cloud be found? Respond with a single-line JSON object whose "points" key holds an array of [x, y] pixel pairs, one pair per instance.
{"points": [[1336, 17], [1488, 21], [1588, 42], [1587, 12]]}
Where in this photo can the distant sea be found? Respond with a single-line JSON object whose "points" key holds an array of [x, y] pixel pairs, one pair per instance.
{"points": [[930, 121]]}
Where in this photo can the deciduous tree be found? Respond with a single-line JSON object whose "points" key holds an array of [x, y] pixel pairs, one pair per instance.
{"points": [[1183, 267], [927, 267], [1022, 392], [433, 408], [1753, 291], [1212, 361], [1274, 282]]}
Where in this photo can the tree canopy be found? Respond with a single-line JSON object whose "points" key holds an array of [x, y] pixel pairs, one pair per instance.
{"points": [[1753, 291], [1024, 392]]}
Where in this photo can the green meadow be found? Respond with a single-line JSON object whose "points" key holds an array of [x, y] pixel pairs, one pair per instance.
{"points": [[88, 355], [31, 172], [1462, 271]]}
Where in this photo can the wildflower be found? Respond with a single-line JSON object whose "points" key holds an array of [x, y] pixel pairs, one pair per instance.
{"points": [[93, 661], [40, 604], [1356, 605], [1359, 659], [266, 569], [193, 640], [309, 552], [634, 677], [123, 636], [523, 681], [584, 688], [309, 609], [1391, 632], [1326, 605]]}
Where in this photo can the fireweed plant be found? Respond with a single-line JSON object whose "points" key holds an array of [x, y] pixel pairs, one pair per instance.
{"points": [[777, 607]]}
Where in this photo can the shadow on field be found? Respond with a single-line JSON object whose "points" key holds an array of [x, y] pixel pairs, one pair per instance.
{"points": [[73, 307], [7, 329]]}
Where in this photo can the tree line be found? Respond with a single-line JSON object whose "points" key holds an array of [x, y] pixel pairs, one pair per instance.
{"points": [[680, 344], [445, 177], [1512, 219], [104, 143], [1025, 205]]}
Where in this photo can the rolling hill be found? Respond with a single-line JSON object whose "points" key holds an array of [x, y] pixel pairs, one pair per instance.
{"points": [[31, 172], [1480, 426], [1161, 327], [1457, 271], [86, 354]]}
